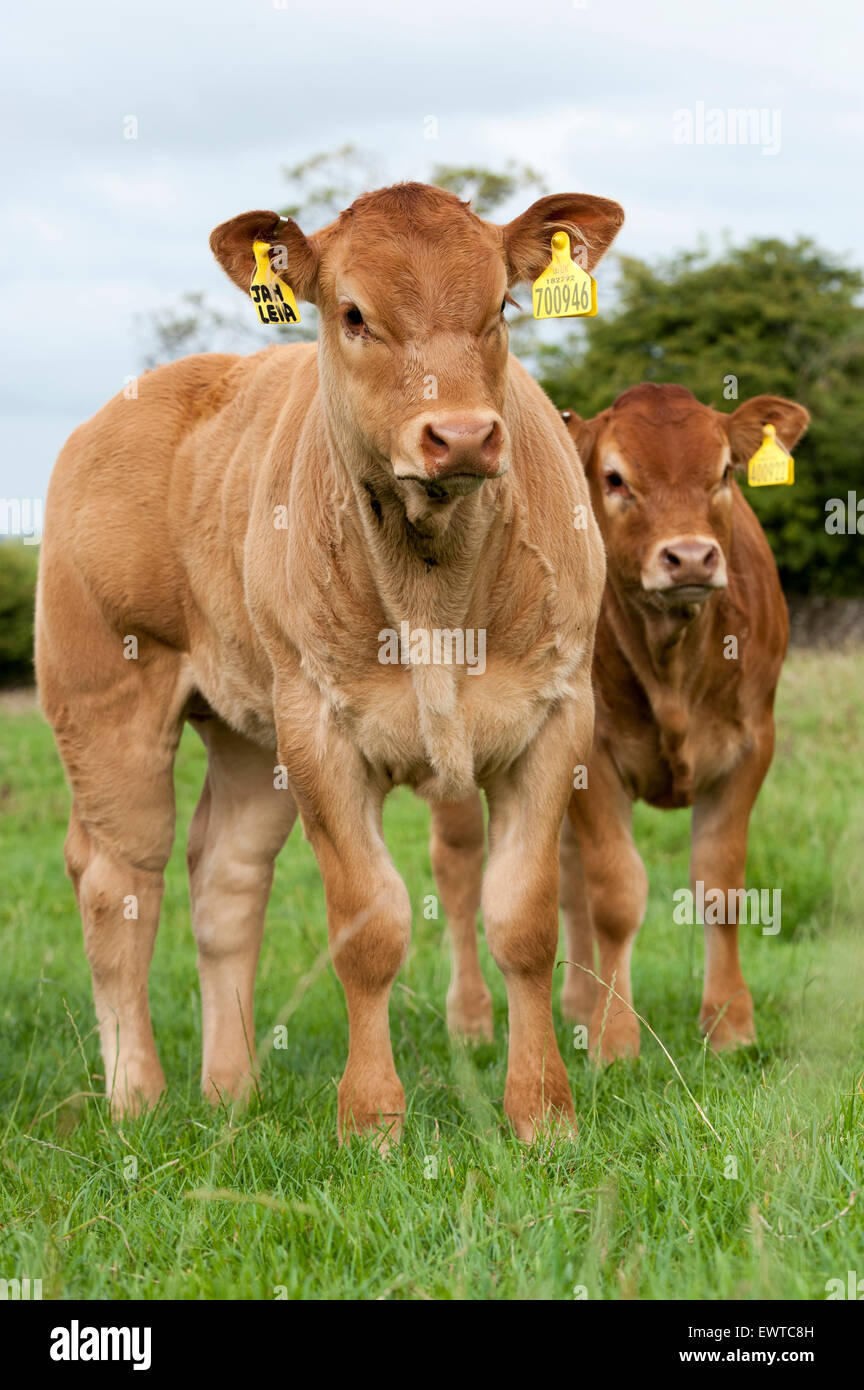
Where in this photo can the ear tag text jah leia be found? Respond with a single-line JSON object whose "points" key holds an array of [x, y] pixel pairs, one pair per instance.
{"points": [[272, 296], [770, 463], [564, 290]]}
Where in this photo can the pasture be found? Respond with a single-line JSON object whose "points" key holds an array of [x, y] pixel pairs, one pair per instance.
{"points": [[732, 1180]]}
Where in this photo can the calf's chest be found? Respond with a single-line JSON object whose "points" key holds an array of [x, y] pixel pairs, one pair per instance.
{"points": [[667, 747]]}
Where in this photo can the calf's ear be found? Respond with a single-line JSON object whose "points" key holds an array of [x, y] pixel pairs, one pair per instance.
{"points": [[744, 425], [293, 256], [591, 223], [583, 433]]}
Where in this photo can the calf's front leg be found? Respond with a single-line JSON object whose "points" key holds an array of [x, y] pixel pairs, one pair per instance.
{"points": [[520, 914], [368, 920], [614, 878], [718, 860]]}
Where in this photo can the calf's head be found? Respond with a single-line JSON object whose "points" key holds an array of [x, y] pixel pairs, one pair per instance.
{"points": [[661, 468], [410, 287]]}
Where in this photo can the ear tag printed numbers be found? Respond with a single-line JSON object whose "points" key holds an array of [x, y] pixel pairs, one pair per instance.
{"points": [[770, 463], [272, 297], [564, 290]]}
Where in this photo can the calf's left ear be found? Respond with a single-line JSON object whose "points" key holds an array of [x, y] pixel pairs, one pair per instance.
{"points": [[583, 433], [591, 223], [744, 425]]}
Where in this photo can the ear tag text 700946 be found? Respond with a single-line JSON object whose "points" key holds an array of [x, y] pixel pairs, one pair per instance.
{"points": [[770, 463], [272, 296], [564, 290]]}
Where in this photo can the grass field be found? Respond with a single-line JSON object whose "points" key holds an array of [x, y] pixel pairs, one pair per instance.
{"points": [[190, 1203]]}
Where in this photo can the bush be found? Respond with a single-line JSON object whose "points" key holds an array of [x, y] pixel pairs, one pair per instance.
{"points": [[18, 565]]}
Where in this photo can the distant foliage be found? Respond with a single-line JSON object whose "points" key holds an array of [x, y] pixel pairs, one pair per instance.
{"points": [[778, 317], [192, 325], [487, 190], [18, 564]]}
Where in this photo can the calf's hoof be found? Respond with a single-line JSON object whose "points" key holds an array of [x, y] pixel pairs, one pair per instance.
{"points": [[378, 1111], [139, 1090], [227, 1086], [539, 1108], [613, 1033], [729, 1024], [469, 1016]]}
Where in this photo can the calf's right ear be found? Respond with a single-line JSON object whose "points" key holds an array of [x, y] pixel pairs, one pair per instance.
{"points": [[744, 425], [293, 255], [583, 433]]}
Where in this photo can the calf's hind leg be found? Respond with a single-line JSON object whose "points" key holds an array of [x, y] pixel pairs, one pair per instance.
{"points": [[617, 891], [579, 992], [117, 738], [240, 825], [456, 848]]}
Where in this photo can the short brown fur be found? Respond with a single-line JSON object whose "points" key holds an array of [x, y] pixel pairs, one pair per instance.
{"points": [[253, 524]]}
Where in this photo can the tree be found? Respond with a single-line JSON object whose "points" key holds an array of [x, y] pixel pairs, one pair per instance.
{"points": [[485, 190], [194, 325], [765, 317], [17, 587]]}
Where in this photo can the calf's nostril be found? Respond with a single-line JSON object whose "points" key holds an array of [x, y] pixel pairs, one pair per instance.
{"points": [[690, 560], [435, 444], [469, 444], [492, 443]]}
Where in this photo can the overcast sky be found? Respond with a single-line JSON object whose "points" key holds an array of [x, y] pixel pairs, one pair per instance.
{"points": [[98, 228]]}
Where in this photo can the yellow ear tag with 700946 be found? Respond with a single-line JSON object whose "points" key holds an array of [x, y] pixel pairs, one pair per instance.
{"points": [[770, 463], [272, 296], [564, 290]]}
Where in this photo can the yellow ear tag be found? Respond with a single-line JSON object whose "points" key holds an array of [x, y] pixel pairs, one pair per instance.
{"points": [[770, 463], [564, 290], [272, 296]]}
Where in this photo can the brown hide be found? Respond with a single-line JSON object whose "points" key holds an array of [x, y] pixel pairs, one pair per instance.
{"points": [[690, 642]]}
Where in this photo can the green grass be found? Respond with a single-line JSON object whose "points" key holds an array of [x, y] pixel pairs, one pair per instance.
{"points": [[191, 1203]]}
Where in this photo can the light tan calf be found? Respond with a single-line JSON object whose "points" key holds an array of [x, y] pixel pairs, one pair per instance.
{"points": [[256, 525]]}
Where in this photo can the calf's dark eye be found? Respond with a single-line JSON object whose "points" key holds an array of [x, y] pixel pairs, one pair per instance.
{"points": [[353, 317], [615, 484]]}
